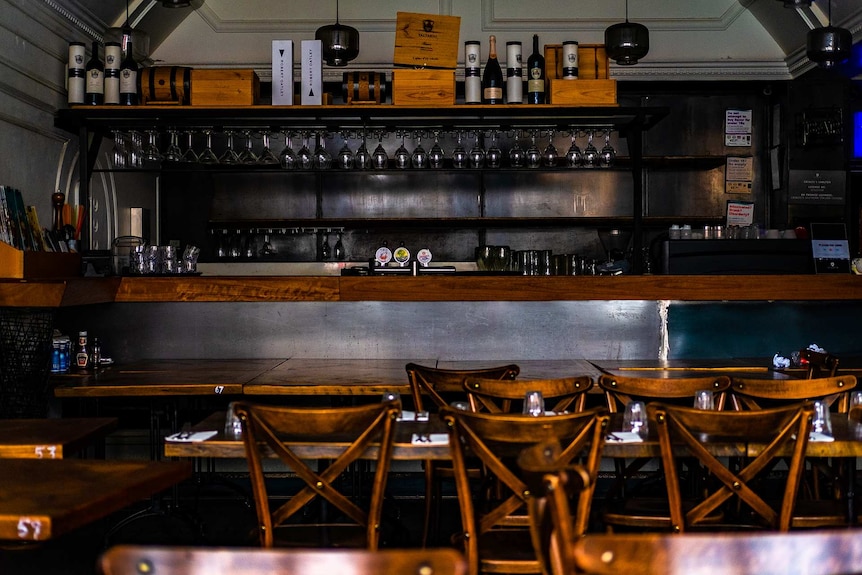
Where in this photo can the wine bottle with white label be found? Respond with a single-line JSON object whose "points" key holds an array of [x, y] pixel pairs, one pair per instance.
{"points": [[536, 75], [472, 72], [95, 87], [129, 78], [492, 79], [514, 74]]}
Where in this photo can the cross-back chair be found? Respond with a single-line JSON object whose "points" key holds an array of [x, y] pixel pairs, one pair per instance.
{"points": [[279, 429], [718, 439], [496, 538], [496, 396], [432, 388]]}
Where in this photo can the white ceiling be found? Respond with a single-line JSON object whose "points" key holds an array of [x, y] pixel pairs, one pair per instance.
{"points": [[689, 39]]}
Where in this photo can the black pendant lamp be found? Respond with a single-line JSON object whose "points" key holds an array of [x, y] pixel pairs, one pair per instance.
{"points": [[627, 42], [176, 3], [796, 3], [829, 45], [340, 43]]}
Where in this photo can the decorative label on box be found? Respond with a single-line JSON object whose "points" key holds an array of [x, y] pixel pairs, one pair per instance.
{"points": [[311, 86], [427, 40], [282, 72]]}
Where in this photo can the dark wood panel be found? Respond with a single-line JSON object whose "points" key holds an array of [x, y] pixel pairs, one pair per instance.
{"points": [[228, 289]]}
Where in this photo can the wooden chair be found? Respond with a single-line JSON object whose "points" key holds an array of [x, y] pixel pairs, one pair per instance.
{"points": [[274, 428], [495, 538], [683, 431], [625, 508], [822, 507], [154, 560], [496, 396], [443, 386]]}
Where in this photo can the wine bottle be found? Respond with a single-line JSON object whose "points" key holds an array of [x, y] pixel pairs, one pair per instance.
{"points": [[536, 75], [129, 78], [113, 55], [514, 74], [492, 79], [95, 91], [472, 73], [77, 81]]}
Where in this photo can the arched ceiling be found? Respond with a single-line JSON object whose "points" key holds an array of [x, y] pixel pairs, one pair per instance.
{"points": [[689, 39]]}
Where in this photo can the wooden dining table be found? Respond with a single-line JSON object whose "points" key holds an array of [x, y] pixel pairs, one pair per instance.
{"points": [[51, 438], [42, 499]]}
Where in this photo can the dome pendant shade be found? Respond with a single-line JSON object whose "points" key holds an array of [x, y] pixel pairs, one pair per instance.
{"points": [[340, 43], [627, 42], [829, 45], [796, 3]]}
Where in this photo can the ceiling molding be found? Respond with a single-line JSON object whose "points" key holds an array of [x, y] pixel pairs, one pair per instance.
{"points": [[73, 16], [681, 71]]}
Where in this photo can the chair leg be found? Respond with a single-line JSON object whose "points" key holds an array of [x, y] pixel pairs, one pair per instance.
{"points": [[430, 511]]}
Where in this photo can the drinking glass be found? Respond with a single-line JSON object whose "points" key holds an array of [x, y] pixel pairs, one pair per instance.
{"points": [[119, 152], [232, 423], [534, 404], [247, 156], [436, 155], [267, 156], [151, 156], [573, 155], [477, 154], [419, 158], [607, 155], [459, 154], [494, 155], [533, 155], [189, 155], [338, 251], [135, 150], [380, 159], [305, 159], [549, 155], [703, 399], [516, 153], [207, 155], [635, 418], [822, 420], [173, 152], [345, 156], [325, 250], [362, 159], [591, 154], [229, 157], [287, 157], [402, 156], [322, 158]]}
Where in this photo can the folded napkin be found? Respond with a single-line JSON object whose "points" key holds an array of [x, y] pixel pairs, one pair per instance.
{"points": [[430, 439], [818, 436], [624, 437], [186, 437]]}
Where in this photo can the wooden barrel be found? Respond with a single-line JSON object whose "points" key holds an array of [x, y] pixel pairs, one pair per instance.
{"points": [[364, 87], [166, 85]]}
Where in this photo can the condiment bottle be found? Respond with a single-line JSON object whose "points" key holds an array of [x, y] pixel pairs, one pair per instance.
{"points": [[82, 352]]}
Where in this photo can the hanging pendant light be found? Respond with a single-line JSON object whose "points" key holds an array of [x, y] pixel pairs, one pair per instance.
{"points": [[340, 43], [176, 3], [796, 3], [139, 38], [627, 42], [829, 45]]}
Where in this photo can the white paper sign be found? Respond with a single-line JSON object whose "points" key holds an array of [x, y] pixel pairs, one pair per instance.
{"points": [[740, 213], [737, 128]]}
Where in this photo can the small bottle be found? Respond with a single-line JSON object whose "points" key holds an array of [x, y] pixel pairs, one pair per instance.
{"points": [[65, 346], [514, 74], [113, 55], [492, 79], [570, 60], [129, 78], [536, 75], [472, 72], [82, 352], [55, 357], [77, 76], [95, 90], [96, 353]]}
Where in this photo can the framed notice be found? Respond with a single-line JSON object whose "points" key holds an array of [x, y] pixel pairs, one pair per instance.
{"points": [[817, 186]]}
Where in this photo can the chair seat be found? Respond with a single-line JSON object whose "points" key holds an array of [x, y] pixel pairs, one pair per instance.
{"points": [[819, 513], [647, 514], [315, 536]]}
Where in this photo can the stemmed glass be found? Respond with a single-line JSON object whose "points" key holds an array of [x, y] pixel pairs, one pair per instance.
{"points": [[362, 159], [150, 155], [436, 155], [380, 159], [229, 157], [322, 158], [607, 155], [267, 156], [549, 155], [247, 156], [135, 150], [591, 154], [173, 152], [459, 154], [287, 157], [339, 247], [189, 155], [477, 154], [402, 156], [304, 156], [419, 158], [345, 156], [119, 151], [516, 152], [207, 155], [573, 155], [494, 155], [533, 155]]}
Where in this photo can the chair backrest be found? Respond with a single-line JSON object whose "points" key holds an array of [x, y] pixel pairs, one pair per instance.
{"points": [[277, 428], [620, 390], [750, 393], [684, 432], [442, 385], [820, 364], [155, 560], [497, 439], [814, 552], [498, 396]]}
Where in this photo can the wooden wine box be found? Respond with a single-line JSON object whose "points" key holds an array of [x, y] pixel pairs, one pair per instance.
{"points": [[593, 62], [423, 87], [225, 87], [17, 264], [582, 92]]}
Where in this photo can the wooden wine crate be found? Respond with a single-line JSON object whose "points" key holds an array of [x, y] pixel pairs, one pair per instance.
{"points": [[225, 87], [18, 264], [593, 62], [426, 40], [423, 87], [582, 92]]}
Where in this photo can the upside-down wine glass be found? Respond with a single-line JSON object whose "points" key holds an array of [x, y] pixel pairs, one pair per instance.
{"points": [[591, 154], [533, 155], [516, 152], [173, 152], [151, 156], [477, 154], [362, 159], [573, 155], [267, 156], [118, 154], [287, 157], [419, 157], [229, 157], [247, 156], [322, 158], [549, 155], [436, 155], [402, 156], [494, 155], [207, 155], [459, 154], [345, 156], [380, 159], [607, 154], [304, 156], [189, 155]]}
